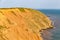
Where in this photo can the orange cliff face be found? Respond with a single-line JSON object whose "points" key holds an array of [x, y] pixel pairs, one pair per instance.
{"points": [[22, 24]]}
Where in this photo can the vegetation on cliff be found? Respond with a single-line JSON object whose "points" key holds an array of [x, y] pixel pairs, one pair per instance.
{"points": [[22, 24]]}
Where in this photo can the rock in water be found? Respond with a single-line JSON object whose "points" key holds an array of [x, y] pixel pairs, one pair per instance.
{"points": [[22, 24]]}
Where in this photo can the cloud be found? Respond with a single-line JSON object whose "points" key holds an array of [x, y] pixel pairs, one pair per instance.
{"points": [[2, 1], [43, 4]]}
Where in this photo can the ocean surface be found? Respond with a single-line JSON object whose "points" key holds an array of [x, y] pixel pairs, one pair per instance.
{"points": [[54, 33]]}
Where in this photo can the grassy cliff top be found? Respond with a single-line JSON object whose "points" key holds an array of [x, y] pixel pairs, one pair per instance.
{"points": [[14, 22]]}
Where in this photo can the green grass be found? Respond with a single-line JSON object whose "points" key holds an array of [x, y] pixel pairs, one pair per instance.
{"points": [[22, 9]]}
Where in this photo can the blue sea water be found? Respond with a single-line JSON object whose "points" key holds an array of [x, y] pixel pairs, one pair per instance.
{"points": [[54, 15]]}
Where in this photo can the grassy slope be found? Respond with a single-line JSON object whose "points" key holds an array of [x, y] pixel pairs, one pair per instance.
{"points": [[22, 24]]}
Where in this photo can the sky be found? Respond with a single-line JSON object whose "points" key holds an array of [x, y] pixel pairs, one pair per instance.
{"points": [[37, 4]]}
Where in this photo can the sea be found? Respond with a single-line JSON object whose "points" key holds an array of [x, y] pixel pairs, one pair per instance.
{"points": [[53, 33]]}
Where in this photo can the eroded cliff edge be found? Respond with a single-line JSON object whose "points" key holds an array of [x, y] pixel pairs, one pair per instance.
{"points": [[22, 24]]}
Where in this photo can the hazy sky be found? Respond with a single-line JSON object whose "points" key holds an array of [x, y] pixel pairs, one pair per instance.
{"points": [[42, 4]]}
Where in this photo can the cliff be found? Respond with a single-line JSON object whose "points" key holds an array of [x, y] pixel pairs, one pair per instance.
{"points": [[22, 24]]}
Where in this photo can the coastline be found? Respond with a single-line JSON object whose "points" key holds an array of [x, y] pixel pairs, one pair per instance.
{"points": [[29, 22]]}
